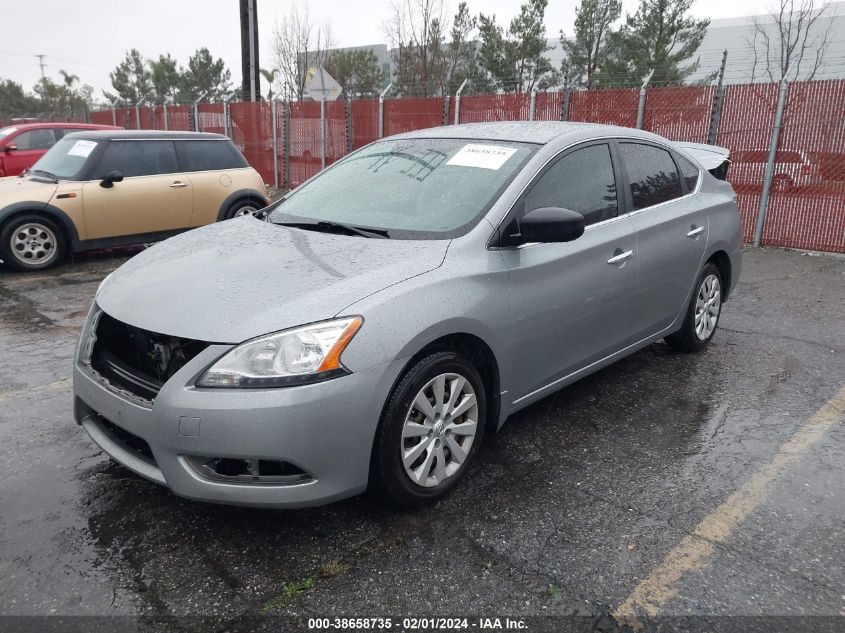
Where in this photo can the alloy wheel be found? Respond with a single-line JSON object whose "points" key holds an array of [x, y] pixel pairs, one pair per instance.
{"points": [[439, 429], [707, 306], [34, 243], [245, 210]]}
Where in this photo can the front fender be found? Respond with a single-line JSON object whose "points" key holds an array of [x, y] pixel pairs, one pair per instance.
{"points": [[44, 208]]}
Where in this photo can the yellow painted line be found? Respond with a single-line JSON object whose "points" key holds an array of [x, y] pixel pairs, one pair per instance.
{"points": [[18, 393], [695, 548]]}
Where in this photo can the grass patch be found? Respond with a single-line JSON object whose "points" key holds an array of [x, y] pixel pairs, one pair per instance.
{"points": [[289, 591]]}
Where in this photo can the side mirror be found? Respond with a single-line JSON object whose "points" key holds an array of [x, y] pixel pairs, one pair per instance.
{"points": [[110, 178], [550, 224], [10, 148]]}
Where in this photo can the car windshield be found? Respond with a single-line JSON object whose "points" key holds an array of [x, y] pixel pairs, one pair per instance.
{"points": [[410, 188], [5, 131], [65, 160]]}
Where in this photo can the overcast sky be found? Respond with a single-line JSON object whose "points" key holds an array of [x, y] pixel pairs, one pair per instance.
{"points": [[89, 38]]}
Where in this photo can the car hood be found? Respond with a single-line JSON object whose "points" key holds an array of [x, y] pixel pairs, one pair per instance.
{"points": [[16, 189], [238, 279]]}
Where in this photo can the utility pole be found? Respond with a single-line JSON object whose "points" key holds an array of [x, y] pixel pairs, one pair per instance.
{"points": [[249, 50], [41, 63]]}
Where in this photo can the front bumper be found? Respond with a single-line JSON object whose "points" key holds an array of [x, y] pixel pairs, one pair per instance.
{"points": [[326, 429]]}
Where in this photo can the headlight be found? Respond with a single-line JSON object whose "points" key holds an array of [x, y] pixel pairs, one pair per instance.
{"points": [[292, 357]]}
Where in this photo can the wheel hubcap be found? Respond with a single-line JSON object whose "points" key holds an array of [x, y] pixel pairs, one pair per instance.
{"points": [[439, 430], [34, 243], [247, 210], [707, 307]]}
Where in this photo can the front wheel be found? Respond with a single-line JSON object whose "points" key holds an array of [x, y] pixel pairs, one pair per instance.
{"points": [[703, 313], [430, 430], [30, 242]]}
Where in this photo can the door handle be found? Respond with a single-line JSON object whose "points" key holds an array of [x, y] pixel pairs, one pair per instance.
{"points": [[178, 184], [621, 257], [695, 231]]}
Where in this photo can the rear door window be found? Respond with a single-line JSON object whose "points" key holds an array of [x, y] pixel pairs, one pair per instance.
{"points": [[138, 158], [652, 174], [689, 172], [35, 139], [209, 155]]}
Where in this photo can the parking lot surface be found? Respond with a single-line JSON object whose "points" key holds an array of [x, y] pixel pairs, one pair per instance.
{"points": [[667, 485]]}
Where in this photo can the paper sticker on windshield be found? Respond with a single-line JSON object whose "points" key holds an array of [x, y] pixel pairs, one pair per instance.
{"points": [[82, 148], [483, 156]]}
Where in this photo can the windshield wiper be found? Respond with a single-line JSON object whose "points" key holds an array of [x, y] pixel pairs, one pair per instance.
{"points": [[334, 227], [46, 173]]}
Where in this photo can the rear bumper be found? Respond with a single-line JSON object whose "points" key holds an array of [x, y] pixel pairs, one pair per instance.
{"points": [[325, 429]]}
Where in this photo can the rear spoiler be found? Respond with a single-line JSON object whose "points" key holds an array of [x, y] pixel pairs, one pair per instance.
{"points": [[713, 158]]}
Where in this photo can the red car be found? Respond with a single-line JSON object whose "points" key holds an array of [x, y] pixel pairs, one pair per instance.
{"points": [[22, 145]]}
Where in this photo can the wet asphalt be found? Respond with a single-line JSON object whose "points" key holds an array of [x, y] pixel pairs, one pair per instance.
{"points": [[569, 508]]}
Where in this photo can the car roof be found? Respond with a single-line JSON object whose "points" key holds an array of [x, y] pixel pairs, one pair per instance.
{"points": [[538, 132], [59, 124], [145, 135]]}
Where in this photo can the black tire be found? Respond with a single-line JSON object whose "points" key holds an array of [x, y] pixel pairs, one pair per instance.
{"points": [[237, 208], [46, 234], [388, 476], [687, 339]]}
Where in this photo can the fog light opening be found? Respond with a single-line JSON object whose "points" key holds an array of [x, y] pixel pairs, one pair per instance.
{"points": [[248, 471]]}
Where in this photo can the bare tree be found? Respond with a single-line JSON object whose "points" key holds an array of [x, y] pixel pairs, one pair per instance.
{"points": [[415, 31], [299, 44], [792, 40]]}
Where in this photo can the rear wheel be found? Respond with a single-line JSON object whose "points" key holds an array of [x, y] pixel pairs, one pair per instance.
{"points": [[703, 312], [430, 430], [31, 242]]}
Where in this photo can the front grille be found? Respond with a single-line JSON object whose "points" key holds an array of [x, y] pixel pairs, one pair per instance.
{"points": [[136, 360]]}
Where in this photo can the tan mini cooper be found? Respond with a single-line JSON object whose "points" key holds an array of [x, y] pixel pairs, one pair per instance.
{"points": [[98, 189]]}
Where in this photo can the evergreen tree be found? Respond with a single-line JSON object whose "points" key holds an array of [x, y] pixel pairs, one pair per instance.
{"points": [[131, 79], [660, 36], [514, 61], [587, 52], [166, 77], [357, 71], [204, 76]]}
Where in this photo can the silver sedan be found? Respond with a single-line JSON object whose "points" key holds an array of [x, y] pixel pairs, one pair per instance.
{"points": [[387, 314]]}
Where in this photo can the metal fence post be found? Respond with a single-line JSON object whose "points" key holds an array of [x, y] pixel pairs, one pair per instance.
{"points": [[164, 112], [713, 132], [458, 102], [227, 121], [716, 114], [347, 107], [286, 144], [770, 165], [197, 112], [564, 106], [138, 113], [532, 105], [323, 129], [114, 112], [275, 145], [381, 110], [641, 106]]}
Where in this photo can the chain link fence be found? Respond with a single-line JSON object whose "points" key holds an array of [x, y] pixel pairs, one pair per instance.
{"points": [[804, 182]]}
